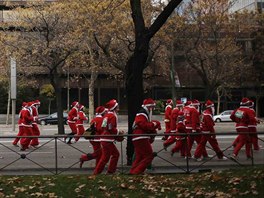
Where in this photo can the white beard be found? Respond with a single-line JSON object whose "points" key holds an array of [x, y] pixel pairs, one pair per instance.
{"points": [[213, 110], [150, 115]]}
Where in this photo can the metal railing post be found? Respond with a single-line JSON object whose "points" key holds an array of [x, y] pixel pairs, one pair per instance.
{"points": [[56, 155]]}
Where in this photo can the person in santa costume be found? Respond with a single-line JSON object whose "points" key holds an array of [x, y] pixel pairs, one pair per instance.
{"points": [[167, 117], [192, 123], [174, 121], [71, 120], [26, 126], [142, 143], [181, 141], [79, 122], [243, 117], [35, 129], [252, 126], [96, 122], [109, 150], [20, 131], [208, 133]]}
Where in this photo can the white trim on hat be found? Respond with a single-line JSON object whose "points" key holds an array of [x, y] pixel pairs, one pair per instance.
{"points": [[116, 104]]}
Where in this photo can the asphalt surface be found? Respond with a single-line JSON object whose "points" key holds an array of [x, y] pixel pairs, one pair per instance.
{"points": [[56, 157]]}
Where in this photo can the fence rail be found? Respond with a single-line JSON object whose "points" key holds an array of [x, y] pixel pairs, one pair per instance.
{"points": [[54, 156]]}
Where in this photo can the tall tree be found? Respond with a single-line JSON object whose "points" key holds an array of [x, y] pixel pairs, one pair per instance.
{"points": [[137, 61]]}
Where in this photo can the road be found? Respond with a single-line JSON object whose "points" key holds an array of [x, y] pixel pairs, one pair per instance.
{"points": [[56, 157]]}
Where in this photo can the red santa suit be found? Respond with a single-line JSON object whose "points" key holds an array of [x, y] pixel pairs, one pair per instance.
{"points": [[242, 117], [208, 133], [20, 131], [142, 144], [79, 123], [192, 122], [252, 126], [35, 129], [109, 149], [167, 118], [97, 123], [173, 127], [181, 143], [71, 120], [26, 126]]}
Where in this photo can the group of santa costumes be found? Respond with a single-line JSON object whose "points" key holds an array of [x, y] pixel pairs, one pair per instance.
{"points": [[27, 123], [187, 125], [246, 126]]}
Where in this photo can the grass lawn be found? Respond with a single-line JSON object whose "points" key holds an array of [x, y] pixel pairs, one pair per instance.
{"points": [[240, 182]]}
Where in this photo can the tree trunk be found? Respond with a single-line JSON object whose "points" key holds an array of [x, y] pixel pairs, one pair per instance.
{"points": [[55, 81], [134, 92], [91, 94], [8, 106]]}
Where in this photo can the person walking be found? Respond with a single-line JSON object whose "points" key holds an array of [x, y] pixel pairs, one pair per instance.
{"points": [[109, 150], [71, 120], [26, 124], [167, 118], [35, 129], [242, 116], [81, 117], [20, 127], [142, 143], [95, 124], [208, 133]]}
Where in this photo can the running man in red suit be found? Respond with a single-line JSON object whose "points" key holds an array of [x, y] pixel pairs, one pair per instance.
{"points": [[167, 117], [174, 121], [192, 123], [208, 133], [20, 131], [181, 141], [71, 119], [79, 123], [26, 126], [142, 144], [109, 150], [97, 123], [35, 129], [243, 117]]}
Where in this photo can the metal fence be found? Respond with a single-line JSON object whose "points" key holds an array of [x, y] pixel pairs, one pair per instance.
{"points": [[54, 156]]}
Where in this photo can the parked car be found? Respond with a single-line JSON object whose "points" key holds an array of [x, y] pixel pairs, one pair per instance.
{"points": [[52, 119], [223, 117]]}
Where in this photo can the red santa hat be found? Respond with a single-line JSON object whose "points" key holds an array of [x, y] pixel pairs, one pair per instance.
{"points": [[81, 107], [100, 110], [179, 103], [29, 104], [36, 102], [188, 102], [24, 104], [149, 102], [209, 103], [251, 103], [75, 104], [244, 101], [169, 102], [195, 102], [112, 104]]}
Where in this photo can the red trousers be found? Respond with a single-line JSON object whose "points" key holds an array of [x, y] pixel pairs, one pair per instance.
{"points": [[35, 132], [20, 132], [181, 145], [73, 127], [25, 141], [97, 152], [109, 150], [212, 141], [254, 137], [190, 141], [80, 131], [144, 156], [243, 139]]}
